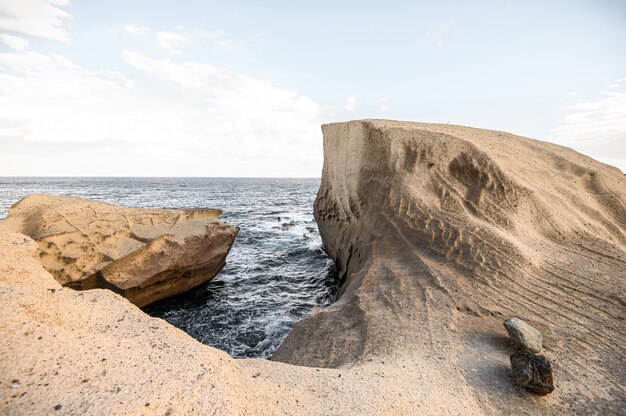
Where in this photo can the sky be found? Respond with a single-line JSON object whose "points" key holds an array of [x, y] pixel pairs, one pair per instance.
{"points": [[240, 88]]}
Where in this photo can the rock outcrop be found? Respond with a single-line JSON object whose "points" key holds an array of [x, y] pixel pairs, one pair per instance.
{"points": [[71, 352], [440, 231], [143, 254], [92, 352]]}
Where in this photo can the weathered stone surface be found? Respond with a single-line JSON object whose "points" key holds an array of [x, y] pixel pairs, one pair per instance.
{"points": [[525, 336], [94, 353], [438, 230], [532, 372], [143, 254]]}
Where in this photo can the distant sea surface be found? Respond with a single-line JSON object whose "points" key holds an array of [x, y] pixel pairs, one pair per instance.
{"points": [[275, 274]]}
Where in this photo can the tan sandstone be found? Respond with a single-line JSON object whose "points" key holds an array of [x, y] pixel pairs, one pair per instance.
{"points": [[143, 254], [440, 233]]}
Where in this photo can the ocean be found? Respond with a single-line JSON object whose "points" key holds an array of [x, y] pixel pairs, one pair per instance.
{"points": [[275, 274]]}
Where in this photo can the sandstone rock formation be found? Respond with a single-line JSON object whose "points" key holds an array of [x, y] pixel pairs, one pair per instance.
{"points": [[92, 352], [143, 254], [440, 231]]}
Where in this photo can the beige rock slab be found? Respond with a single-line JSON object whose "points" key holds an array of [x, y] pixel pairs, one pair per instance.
{"points": [[143, 254]]}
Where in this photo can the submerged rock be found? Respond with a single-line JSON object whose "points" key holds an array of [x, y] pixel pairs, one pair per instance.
{"points": [[532, 372], [525, 336], [143, 254]]}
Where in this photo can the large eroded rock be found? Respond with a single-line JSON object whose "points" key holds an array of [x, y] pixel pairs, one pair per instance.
{"points": [[439, 231], [143, 254], [416, 331], [92, 352]]}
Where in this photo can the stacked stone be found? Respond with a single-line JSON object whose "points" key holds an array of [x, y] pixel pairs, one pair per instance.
{"points": [[530, 370]]}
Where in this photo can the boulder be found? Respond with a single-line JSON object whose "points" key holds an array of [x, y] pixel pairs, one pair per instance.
{"points": [[525, 336], [532, 372], [143, 254]]}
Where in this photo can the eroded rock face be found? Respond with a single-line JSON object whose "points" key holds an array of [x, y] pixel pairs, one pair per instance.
{"points": [[525, 336], [143, 254], [64, 351], [438, 231], [532, 372]]}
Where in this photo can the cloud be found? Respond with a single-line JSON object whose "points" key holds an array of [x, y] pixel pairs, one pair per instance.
{"points": [[384, 105], [440, 34], [172, 41], [39, 18], [140, 31], [229, 45], [240, 113], [14, 42], [48, 98], [193, 119], [598, 128], [351, 103], [176, 41]]}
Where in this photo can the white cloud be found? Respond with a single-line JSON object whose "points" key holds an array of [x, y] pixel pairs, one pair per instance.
{"points": [[14, 42], [440, 34], [172, 41], [598, 128], [240, 112], [197, 119], [229, 45], [351, 103], [39, 18], [140, 31], [175, 42], [384, 104]]}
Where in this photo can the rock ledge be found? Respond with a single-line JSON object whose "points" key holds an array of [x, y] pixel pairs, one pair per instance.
{"points": [[143, 254]]}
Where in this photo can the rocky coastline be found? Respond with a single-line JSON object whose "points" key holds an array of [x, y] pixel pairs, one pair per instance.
{"points": [[440, 233], [144, 255]]}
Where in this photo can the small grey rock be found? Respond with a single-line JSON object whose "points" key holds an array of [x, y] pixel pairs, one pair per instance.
{"points": [[532, 372], [525, 336]]}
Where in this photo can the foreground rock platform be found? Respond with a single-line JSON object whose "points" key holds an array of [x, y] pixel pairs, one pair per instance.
{"points": [[143, 254], [440, 233]]}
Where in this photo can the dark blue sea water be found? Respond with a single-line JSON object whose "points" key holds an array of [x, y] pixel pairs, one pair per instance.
{"points": [[276, 271]]}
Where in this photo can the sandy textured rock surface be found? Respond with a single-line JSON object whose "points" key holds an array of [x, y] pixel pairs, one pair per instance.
{"points": [[94, 353], [442, 231], [143, 254]]}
